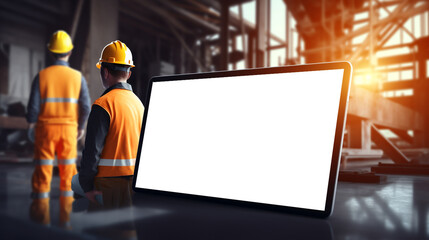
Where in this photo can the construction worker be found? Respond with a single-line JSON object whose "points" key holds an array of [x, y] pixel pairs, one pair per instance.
{"points": [[113, 131], [57, 110]]}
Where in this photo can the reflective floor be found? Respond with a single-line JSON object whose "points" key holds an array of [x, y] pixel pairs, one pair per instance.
{"points": [[396, 209]]}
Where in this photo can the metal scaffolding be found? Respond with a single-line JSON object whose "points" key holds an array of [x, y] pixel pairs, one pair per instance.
{"points": [[365, 32]]}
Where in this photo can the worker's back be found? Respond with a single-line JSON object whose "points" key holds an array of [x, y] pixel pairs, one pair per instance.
{"points": [[59, 92], [57, 110], [120, 150]]}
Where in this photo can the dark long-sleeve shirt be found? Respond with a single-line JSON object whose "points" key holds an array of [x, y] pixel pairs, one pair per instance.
{"points": [[33, 107], [96, 132]]}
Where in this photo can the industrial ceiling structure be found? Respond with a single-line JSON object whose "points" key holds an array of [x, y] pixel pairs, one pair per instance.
{"points": [[329, 30], [390, 82]]}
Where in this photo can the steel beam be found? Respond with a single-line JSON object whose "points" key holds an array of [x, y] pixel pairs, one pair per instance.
{"points": [[144, 24], [378, 27], [400, 14], [235, 20], [400, 25], [261, 28], [387, 20], [383, 112], [243, 34], [403, 135], [397, 85], [421, 92], [164, 14], [224, 36], [187, 48], [384, 61], [359, 131], [388, 148], [250, 51], [190, 16], [76, 19]]}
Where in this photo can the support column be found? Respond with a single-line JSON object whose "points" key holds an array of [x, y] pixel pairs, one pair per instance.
{"points": [[224, 35], [289, 44], [268, 31], [195, 57], [421, 98], [103, 29], [261, 30], [203, 55], [155, 65], [250, 50], [141, 89], [179, 55], [359, 133], [234, 48]]}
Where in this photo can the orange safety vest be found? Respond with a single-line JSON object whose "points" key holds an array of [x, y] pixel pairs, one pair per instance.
{"points": [[120, 148], [59, 93]]}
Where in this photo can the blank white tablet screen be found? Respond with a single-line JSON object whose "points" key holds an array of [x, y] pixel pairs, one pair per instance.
{"points": [[258, 138]]}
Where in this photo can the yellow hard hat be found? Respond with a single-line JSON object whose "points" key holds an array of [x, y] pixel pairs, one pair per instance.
{"points": [[60, 42], [116, 52]]}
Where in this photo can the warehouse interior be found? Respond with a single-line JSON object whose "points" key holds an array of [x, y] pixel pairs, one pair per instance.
{"points": [[383, 180]]}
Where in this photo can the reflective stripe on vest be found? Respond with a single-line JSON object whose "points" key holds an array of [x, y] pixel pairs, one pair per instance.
{"points": [[67, 161], [120, 150], [59, 88], [39, 195], [66, 193], [117, 162], [58, 100], [41, 162]]}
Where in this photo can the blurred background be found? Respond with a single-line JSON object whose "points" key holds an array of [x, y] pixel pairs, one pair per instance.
{"points": [[386, 41], [387, 130]]}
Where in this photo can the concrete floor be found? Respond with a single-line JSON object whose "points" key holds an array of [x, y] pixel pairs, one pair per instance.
{"points": [[396, 209]]}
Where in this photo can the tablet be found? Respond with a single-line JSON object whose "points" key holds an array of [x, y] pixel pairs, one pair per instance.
{"points": [[266, 138]]}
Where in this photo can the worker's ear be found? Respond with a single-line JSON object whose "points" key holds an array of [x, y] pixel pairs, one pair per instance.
{"points": [[129, 75], [105, 72]]}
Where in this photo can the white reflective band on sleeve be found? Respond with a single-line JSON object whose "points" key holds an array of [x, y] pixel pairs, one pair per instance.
{"points": [[43, 161], [65, 100], [67, 193], [66, 161], [39, 195], [117, 162]]}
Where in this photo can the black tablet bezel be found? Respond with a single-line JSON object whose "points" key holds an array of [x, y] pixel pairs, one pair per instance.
{"points": [[336, 153]]}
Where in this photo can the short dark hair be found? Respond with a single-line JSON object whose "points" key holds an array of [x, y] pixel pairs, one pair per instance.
{"points": [[116, 70]]}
